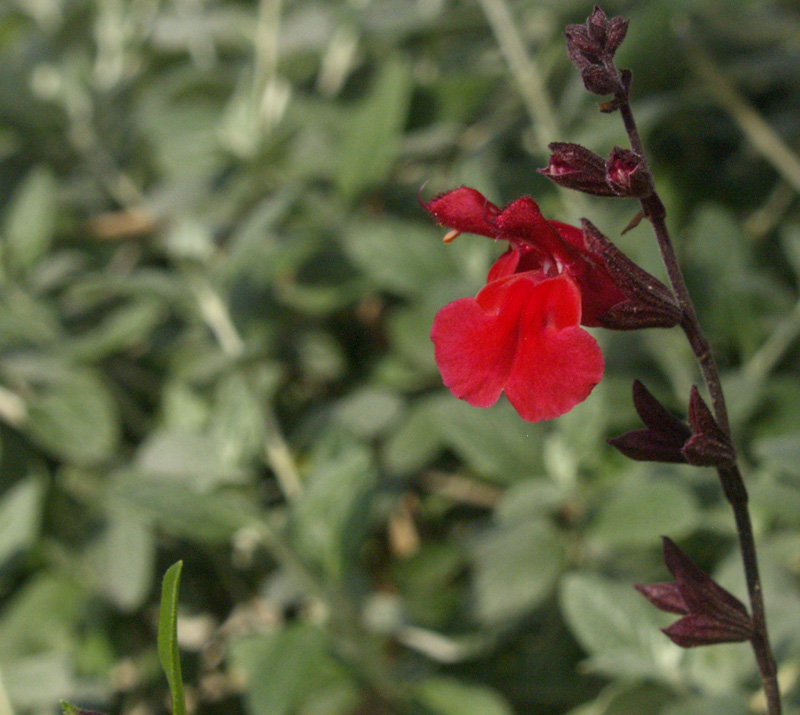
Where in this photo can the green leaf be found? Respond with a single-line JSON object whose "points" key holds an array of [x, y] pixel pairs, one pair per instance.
{"points": [[26, 321], [188, 239], [74, 416], [401, 257], [126, 328], [286, 668], [790, 241], [516, 567], [618, 628], [429, 585], [371, 141], [781, 453], [329, 521], [123, 561], [708, 705], [5, 702], [30, 218], [448, 696], [40, 617], [530, 499], [637, 512], [20, 516], [624, 698], [771, 498], [188, 457], [168, 636], [237, 429], [36, 682], [369, 411], [410, 336], [494, 442], [182, 130], [181, 509], [414, 442]]}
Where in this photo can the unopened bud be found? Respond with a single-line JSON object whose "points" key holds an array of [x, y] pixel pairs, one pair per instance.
{"points": [[575, 167], [627, 174], [711, 614], [663, 437], [591, 48], [709, 446]]}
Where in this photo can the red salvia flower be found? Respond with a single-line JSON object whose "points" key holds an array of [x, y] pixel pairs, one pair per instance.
{"points": [[521, 334]]}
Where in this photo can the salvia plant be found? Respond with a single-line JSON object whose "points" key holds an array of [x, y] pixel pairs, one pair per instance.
{"points": [[522, 335]]}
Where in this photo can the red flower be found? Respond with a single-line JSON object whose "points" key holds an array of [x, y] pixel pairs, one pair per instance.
{"points": [[521, 333]]}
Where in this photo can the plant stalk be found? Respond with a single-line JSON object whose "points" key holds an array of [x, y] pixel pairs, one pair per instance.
{"points": [[731, 479]]}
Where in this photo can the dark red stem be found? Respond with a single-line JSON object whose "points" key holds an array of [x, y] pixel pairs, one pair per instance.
{"points": [[730, 478]]}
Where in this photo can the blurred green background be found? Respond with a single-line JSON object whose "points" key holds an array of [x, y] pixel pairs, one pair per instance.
{"points": [[216, 291]]}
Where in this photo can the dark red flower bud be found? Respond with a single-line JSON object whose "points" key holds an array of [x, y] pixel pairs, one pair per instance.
{"points": [[668, 439], [591, 48], [575, 167], [711, 614], [627, 174], [709, 446], [600, 80], [616, 29], [649, 304], [664, 436]]}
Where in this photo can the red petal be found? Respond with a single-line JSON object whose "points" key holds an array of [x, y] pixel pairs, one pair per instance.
{"points": [[557, 364], [504, 266], [514, 262], [474, 345], [520, 335], [573, 236], [522, 221], [466, 210]]}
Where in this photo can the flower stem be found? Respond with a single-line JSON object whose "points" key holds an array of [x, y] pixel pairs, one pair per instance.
{"points": [[731, 479]]}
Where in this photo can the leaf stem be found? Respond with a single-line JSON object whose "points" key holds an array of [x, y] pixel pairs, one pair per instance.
{"points": [[731, 479]]}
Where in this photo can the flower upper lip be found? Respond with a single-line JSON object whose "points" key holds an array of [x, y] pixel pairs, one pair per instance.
{"points": [[545, 245]]}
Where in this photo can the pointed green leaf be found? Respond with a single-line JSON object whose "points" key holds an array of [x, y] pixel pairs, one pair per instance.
{"points": [[407, 266], [168, 636]]}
